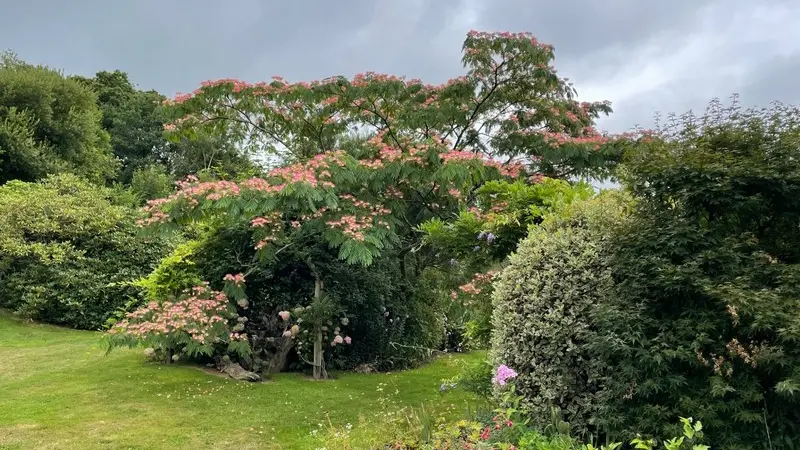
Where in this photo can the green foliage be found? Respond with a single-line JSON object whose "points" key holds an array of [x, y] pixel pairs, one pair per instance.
{"points": [[543, 317], [474, 377], [68, 252], [704, 312], [506, 210], [151, 182], [174, 274], [132, 119], [49, 124], [392, 324]]}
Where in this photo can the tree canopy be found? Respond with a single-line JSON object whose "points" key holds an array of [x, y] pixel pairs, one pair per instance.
{"points": [[49, 124]]}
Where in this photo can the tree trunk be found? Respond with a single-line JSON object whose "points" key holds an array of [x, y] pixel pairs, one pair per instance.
{"points": [[319, 369], [278, 360], [169, 356]]}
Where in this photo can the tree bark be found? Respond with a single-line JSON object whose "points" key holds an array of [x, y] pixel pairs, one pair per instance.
{"points": [[319, 370], [278, 360]]}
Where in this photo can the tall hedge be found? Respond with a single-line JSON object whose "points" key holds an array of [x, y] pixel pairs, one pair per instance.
{"points": [[705, 318], [544, 320]]}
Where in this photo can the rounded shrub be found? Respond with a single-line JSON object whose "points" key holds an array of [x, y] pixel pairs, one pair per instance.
{"points": [[69, 252], [543, 312]]}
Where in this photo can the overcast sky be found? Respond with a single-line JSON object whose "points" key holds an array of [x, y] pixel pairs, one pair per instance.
{"points": [[644, 56]]}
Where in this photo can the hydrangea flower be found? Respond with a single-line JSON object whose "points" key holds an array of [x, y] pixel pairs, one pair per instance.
{"points": [[347, 340], [489, 238], [285, 315], [504, 373]]}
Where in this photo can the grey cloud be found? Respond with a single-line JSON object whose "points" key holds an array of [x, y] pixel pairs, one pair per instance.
{"points": [[643, 56]]}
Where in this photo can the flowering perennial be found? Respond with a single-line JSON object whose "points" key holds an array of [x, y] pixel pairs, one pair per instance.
{"points": [[504, 373]]}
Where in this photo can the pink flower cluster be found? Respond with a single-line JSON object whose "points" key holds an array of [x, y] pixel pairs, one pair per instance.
{"points": [[389, 154], [354, 225], [522, 37], [191, 191], [472, 288], [504, 373], [338, 339], [351, 225], [237, 336], [237, 279], [195, 315], [590, 137]]}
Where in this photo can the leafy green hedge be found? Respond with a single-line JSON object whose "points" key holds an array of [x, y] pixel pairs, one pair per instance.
{"points": [[69, 252]]}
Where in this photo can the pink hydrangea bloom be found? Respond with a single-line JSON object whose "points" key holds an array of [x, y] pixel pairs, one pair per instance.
{"points": [[338, 339], [347, 340], [284, 315], [504, 373]]}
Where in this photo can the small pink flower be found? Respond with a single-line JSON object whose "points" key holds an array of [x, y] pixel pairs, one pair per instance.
{"points": [[338, 339], [285, 315], [347, 340], [237, 279], [504, 373]]}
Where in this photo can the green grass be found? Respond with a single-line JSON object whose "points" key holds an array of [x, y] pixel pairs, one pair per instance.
{"points": [[58, 390]]}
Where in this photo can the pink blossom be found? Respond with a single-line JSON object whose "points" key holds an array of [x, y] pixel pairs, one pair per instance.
{"points": [[285, 315], [237, 279], [504, 373]]}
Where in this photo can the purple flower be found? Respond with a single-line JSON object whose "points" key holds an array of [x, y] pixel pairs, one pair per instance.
{"points": [[489, 238], [504, 373], [481, 235]]}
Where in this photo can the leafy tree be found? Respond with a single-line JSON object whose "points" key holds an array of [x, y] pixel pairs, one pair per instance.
{"points": [[49, 124], [135, 121], [511, 104], [132, 119], [355, 205], [704, 313], [420, 151]]}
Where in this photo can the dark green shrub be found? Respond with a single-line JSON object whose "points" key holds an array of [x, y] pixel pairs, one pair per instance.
{"points": [[705, 311], [393, 324], [68, 252], [543, 319]]}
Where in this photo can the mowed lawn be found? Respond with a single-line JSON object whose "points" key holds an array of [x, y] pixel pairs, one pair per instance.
{"points": [[59, 390]]}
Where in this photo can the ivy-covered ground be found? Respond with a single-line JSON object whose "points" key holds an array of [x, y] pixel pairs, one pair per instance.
{"points": [[58, 390]]}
